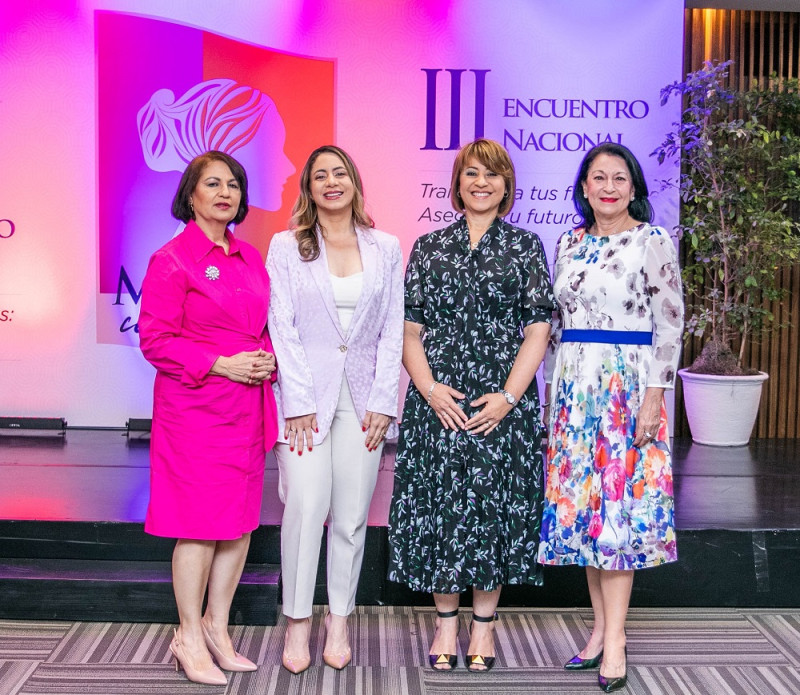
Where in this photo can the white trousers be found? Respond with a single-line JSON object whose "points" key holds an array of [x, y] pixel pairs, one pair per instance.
{"points": [[332, 483]]}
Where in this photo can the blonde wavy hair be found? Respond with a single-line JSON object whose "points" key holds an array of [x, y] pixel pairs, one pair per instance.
{"points": [[305, 218]]}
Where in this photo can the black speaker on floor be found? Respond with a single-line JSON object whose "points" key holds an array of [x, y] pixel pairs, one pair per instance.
{"points": [[33, 426], [137, 429]]}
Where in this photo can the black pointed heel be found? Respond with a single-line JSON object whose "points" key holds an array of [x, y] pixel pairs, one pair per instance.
{"points": [[609, 685], [439, 661], [578, 664], [477, 659]]}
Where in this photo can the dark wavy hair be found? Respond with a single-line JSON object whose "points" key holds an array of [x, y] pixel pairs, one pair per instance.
{"points": [[494, 157], [182, 210], [639, 208], [305, 217]]}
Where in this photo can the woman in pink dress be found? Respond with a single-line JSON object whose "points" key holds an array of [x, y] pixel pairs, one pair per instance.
{"points": [[203, 326]]}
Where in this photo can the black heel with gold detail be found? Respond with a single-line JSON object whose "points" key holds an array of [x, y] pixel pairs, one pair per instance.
{"points": [[472, 660], [444, 662]]}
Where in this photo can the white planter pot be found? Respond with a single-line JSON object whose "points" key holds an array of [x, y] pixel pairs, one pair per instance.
{"points": [[721, 409]]}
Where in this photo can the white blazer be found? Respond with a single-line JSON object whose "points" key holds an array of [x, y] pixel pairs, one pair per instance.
{"points": [[314, 353]]}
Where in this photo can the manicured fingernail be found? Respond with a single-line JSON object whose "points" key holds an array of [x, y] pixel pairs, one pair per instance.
{"points": [[291, 448], [316, 429], [299, 453], [363, 429], [310, 448]]}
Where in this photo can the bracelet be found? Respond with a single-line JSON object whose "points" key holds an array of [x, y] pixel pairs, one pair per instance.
{"points": [[546, 405], [430, 392]]}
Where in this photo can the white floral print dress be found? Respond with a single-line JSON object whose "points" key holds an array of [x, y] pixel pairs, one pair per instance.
{"points": [[609, 504]]}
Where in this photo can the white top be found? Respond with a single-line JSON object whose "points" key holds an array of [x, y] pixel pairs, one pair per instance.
{"points": [[346, 292], [628, 281]]}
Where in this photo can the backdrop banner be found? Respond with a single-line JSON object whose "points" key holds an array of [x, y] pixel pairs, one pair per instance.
{"points": [[105, 101]]}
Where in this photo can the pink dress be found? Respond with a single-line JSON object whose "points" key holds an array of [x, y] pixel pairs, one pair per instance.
{"points": [[209, 433]]}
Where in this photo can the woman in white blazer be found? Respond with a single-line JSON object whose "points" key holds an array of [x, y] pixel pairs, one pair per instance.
{"points": [[336, 321]]}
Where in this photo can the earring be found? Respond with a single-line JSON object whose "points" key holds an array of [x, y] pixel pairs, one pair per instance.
{"points": [[633, 197], [458, 195], [505, 195], [191, 207]]}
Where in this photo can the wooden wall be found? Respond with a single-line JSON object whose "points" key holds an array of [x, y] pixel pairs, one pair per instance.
{"points": [[761, 43]]}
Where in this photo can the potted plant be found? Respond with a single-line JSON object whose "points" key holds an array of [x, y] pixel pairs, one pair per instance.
{"points": [[739, 152]]}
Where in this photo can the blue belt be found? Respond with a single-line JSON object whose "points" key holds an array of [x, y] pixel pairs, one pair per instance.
{"points": [[577, 335]]}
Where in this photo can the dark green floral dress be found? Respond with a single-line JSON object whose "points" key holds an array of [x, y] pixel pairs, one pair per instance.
{"points": [[466, 508]]}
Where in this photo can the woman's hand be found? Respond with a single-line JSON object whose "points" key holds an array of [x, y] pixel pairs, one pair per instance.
{"points": [[375, 425], [443, 401], [495, 408], [249, 367], [546, 408], [648, 419], [271, 364], [299, 432]]}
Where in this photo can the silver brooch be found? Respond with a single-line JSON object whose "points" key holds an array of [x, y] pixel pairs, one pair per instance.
{"points": [[212, 272]]}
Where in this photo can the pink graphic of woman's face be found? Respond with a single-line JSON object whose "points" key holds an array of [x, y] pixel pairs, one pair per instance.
{"points": [[266, 163]]}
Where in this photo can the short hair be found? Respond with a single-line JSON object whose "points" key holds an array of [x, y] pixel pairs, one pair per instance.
{"points": [[182, 210], [494, 157], [639, 208], [304, 213]]}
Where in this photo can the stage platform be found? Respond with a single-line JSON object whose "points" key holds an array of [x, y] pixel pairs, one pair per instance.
{"points": [[72, 545]]}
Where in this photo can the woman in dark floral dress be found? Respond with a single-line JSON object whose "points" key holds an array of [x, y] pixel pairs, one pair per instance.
{"points": [[467, 497]]}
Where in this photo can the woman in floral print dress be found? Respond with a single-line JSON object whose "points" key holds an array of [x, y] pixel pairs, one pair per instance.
{"points": [[608, 496], [468, 478]]}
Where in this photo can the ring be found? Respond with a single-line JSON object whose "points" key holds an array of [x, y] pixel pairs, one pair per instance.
{"points": [[648, 434], [292, 429]]}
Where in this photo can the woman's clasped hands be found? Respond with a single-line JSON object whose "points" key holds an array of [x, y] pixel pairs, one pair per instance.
{"points": [[443, 399], [248, 367]]}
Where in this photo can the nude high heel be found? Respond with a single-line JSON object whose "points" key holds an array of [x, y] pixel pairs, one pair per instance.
{"points": [[209, 676], [295, 664], [340, 660], [238, 663]]}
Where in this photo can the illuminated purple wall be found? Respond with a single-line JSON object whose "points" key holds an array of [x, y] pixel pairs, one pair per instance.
{"points": [[101, 102]]}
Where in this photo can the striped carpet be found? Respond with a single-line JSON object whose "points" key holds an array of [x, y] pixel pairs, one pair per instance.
{"points": [[671, 651]]}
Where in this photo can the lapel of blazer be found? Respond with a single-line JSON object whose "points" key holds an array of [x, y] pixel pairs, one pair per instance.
{"points": [[319, 271], [368, 248]]}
